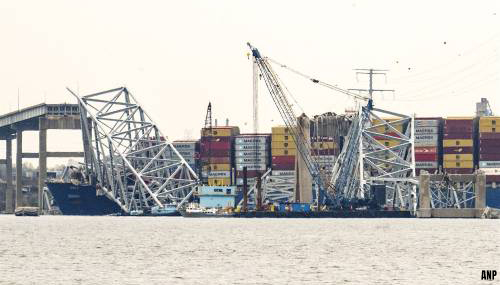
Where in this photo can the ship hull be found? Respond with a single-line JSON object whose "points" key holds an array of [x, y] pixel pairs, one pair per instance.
{"points": [[81, 200]]}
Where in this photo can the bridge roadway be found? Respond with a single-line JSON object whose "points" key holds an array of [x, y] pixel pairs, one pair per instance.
{"points": [[41, 118]]}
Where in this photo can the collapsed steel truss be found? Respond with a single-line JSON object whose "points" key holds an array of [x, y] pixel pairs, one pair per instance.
{"points": [[128, 157], [365, 161], [457, 191], [274, 188]]}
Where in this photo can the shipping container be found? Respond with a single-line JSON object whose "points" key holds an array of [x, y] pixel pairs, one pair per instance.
{"points": [[205, 147], [283, 159], [325, 158], [219, 174], [187, 146], [457, 136], [283, 151], [220, 132], [206, 140], [489, 142], [219, 181], [216, 160], [459, 142], [283, 166], [281, 130], [217, 167], [421, 122], [489, 156], [251, 160], [291, 144], [251, 147], [215, 153], [250, 181], [250, 173], [239, 140], [458, 149], [251, 153], [426, 130], [489, 129], [461, 157], [385, 129], [491, 136], [458, 164], [489, 164], [260, 167], [489, 121], [459, 170], [426, 150], [426, 156], [281, 138], [384, 137], [426, 164], [283, 173]]}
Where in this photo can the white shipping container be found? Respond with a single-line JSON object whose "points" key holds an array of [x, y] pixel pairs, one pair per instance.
{"points": [[251, 160], [489, 164], [252, 147], [426, 140], [184, 146], [249, 167], [219, 174], [251, 153], [426, 123], [283, 173], [426, 164], [426, 130], [251, 140]]}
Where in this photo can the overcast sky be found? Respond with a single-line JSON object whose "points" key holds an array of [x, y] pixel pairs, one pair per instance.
{"points": [[176, 56]]}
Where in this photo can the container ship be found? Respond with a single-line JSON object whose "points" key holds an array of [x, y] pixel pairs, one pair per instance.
{"points": [[454, 145]]}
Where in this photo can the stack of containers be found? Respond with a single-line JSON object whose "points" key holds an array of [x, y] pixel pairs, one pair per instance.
{"points": [[190, 150], [283, 151], [252, 151], [489, 148], [458, 145], [216, 153], [325, 152], [427, 144]]}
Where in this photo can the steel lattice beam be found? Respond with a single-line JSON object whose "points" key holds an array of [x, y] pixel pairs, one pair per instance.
{"points": [[132, 162]]}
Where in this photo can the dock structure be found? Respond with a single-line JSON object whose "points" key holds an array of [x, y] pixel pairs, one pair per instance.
{"points": [[41, 117]]}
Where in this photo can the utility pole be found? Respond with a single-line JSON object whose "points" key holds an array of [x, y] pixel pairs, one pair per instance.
{"points": [[371, 72]]}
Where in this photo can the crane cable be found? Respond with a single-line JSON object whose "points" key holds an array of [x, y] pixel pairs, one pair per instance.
{"points": [[314, 80]]}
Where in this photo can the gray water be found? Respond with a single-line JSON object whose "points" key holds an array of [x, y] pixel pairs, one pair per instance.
{"points": [[146, 250]]}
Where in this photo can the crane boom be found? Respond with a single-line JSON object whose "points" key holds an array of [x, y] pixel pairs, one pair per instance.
{"points": [[274, 85]]}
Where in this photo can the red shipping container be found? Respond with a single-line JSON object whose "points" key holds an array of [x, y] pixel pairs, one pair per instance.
{"points": [[493, 178], [250, 173], [283, 159], [489, 143], [457, 149], [426, 156], [421, 149], [216, 160], [458, 136], [283, 166], [429, 170], [216, 153], [464, 122], [489, 156], [490, 136], [215, 139], [205, 147], [459, 170], [489, 149]]}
